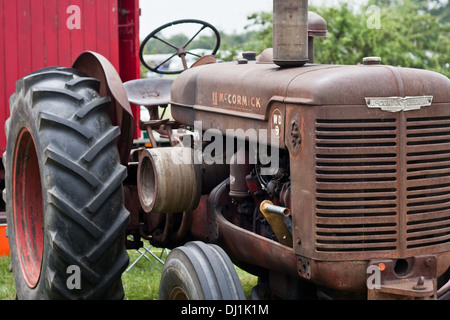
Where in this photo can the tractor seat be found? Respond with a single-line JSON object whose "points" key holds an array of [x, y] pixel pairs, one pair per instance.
{"points": [[149, 92]]}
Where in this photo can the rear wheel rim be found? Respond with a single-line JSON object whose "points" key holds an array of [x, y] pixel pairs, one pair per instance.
{"points": [[28, 210]]}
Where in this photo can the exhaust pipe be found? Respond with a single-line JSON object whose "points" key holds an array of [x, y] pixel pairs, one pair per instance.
{"points": [[290, 32], [274, 216]]}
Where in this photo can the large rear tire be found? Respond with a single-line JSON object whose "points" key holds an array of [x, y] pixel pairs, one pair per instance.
{"points": [[63, 192], [199, 271]]}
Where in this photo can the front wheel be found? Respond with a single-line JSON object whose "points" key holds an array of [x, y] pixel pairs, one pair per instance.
{"points": [[199, 271], [63, 194]]}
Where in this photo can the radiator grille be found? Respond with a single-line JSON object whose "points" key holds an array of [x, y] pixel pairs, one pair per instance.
{"points": [[382, 183], [356, 181], [428, 181]]}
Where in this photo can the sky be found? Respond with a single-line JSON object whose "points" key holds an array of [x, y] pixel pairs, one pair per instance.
{"points": [[226, 15]]}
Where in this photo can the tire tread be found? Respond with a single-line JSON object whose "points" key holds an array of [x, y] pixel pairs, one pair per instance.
{"points": [[99, 223]]}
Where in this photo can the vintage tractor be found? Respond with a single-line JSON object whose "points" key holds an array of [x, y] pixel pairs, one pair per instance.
{"points": [[325, 181]]}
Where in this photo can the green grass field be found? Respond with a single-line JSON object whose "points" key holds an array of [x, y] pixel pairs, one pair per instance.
{"points": [[6, 280], [140, 283]]}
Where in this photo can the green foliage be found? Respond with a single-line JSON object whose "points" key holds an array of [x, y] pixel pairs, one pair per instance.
{"points": [[6, 280], [442, 11], [437, 8], [232, 44], [263, 38], [345, 42], [408, 34], [411, 33]]}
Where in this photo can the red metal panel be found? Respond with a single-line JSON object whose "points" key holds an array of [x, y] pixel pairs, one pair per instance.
{"points": [[107, 30], [77, 35], [34, 34], [90, 23], [63, 35], [114, 36], [37, 38], [129, 42], [2, 71], [24, 36], [10, 31], [103, 28], [51, 30]]}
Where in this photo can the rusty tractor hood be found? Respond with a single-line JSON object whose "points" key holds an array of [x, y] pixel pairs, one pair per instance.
{"points": [[247, 90]]}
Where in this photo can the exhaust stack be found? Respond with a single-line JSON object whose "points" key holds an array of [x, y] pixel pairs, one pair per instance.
{"points": [[290, 32]]}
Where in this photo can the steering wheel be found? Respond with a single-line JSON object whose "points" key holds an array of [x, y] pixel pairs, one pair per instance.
{"points": [[180, 51]]}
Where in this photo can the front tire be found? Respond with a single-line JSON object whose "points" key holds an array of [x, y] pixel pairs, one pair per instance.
{"points": [[63, 189], [199, 271]]}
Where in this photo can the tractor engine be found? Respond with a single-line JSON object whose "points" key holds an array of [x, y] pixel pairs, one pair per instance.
{"points": [[324, 181], [317, 178]]}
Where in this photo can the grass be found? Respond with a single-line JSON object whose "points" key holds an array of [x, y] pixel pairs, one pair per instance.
{"points": [[140, 283], [6, 280]]}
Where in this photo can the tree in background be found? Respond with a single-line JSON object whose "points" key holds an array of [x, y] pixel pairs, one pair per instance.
{"points": [[410, 33], [440, 8]]}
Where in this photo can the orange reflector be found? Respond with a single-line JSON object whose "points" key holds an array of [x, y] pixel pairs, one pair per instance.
{"points": [[382, 266]]}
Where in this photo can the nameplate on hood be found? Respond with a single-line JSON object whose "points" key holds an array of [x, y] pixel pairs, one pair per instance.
{"points": [[398, 104]]}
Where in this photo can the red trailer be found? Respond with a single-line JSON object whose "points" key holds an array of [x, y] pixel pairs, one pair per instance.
{"points": [[40, 33]]}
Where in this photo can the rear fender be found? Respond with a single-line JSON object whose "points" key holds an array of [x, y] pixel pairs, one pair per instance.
{"points": [[96, 66]]}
